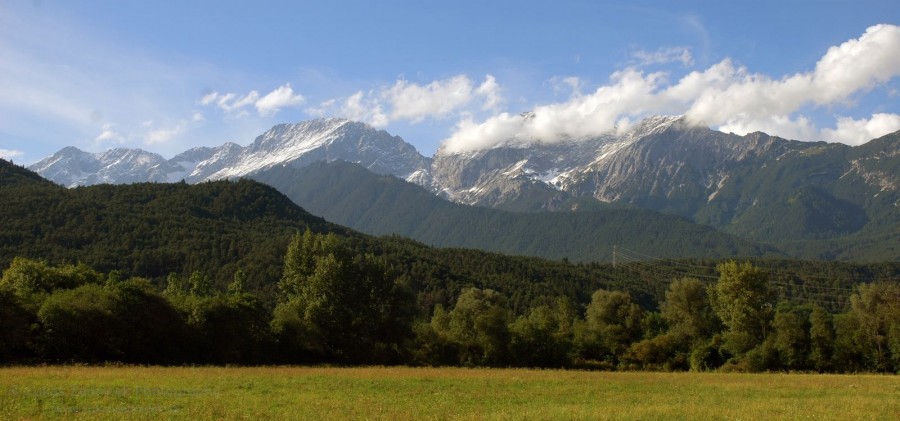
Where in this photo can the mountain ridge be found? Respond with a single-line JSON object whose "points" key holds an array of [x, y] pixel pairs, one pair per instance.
{"points": [[756, 186], [349, 195], [294, 144]]}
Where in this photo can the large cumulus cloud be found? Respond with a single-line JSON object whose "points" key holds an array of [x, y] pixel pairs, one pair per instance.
{"points": [[726, 96]]}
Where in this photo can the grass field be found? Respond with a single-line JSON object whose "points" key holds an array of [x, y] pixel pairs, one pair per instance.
{"points": [[423, 393]]}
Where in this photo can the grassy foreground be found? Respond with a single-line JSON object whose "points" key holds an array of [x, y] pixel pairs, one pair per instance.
{"points": [[425, 393]]}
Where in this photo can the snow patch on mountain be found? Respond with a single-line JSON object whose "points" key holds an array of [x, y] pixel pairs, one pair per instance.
{"points": [[285, 144], [475, 176]]}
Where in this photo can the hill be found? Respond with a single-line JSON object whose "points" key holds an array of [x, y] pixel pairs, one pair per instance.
{"points": [[350, 195], [216, 228]]}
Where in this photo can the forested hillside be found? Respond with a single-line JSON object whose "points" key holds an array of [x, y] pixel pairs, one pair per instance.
{"points": [[152, 229], [350, 195], [217, 228]]}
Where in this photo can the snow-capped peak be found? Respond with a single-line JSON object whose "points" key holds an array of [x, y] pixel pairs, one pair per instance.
{"points": [[299, 137], [299, 144]]}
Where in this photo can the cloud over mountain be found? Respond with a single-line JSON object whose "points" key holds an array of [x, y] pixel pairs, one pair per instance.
{"points": [[412, 102], [725, 95], [281, 97]]}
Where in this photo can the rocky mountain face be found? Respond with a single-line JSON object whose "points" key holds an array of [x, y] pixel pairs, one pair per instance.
{"points": [[757, 186], [533, 176], [285, 144]]}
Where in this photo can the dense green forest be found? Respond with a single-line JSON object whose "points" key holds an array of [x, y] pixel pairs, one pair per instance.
{"points": [[339, 304], [234, 272], [350, 195]]}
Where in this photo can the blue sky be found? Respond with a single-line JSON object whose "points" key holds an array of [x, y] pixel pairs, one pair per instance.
{"points": [[103, 74]]}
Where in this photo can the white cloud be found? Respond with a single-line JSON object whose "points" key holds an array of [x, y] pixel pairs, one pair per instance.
{"points": [[281, 97], [797, 128], [108, 135], [470, 136], [744, 99], [209, 98], [9, 154], [360, 106], [229, 102], [664, 56], [725, 96], [164, 134], [857, 132], [858, 64], [490, 91], [630, 93], [412, 102]]}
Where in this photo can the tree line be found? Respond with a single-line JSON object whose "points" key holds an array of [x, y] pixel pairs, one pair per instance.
{"points": [[341, 302]]}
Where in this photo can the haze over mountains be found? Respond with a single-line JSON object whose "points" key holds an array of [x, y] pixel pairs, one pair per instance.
{"points": [[811, 199]]}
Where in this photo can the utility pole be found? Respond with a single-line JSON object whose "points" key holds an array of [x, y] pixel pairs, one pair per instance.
{"points": [[614, 256]]}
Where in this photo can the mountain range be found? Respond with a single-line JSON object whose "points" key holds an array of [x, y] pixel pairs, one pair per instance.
{"points": [[285, 144], [809, 199]]}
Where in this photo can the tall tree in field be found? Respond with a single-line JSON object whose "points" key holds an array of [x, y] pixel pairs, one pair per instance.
{"points": [[791, 336], [612, 323], [821, 339], [743, 301], [688, 311], [477, 325], [543, 336], [691, 323], [875, 311], [339, 304]]}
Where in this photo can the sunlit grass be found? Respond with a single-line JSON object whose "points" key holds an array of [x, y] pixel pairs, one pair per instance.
{"points": [[426, 393]]}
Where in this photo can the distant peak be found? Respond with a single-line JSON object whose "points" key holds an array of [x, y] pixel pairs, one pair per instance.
{"points": [[70, 150]]}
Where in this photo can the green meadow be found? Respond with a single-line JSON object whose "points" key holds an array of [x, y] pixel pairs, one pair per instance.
{"points": [[134, 393]]}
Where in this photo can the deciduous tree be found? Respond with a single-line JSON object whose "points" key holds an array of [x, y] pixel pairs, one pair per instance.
{"points": [[742, 300]]}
